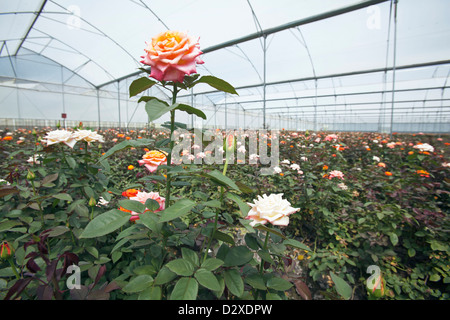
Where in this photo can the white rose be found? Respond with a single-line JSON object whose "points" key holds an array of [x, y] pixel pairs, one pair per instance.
{"points": [[60, 136], [273, 209], [424, 147], [376, 159], [88, 136]]}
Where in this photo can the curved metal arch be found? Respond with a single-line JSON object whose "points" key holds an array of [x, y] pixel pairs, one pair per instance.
{"points": [[75, 51], [100, 31]]}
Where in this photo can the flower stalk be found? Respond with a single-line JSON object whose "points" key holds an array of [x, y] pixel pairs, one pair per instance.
{"points": [[169, 156]]}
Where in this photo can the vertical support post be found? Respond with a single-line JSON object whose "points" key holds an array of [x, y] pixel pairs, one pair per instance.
{"points": [[98, 108], [393, 66], [264, 80], [62, 96], [118, 102], [226, 112]]}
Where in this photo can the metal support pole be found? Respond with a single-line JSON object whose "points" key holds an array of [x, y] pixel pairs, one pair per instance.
{"points": [[393, 67], [118, 102], [98, 107], [264, 80], [62, 95], [226, 112]]}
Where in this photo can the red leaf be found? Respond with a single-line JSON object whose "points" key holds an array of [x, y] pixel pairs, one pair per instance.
{"points": [[18, 287], [303, 290]]}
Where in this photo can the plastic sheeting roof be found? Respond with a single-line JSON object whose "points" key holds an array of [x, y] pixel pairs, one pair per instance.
{"points": [[102, 41]]}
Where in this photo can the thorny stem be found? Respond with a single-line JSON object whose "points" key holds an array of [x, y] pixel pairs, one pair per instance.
{"points": [[169, 156]]}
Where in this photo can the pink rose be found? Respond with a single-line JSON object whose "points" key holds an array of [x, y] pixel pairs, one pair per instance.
{"points": [[143, 196], [172, 55], [336, 174]]}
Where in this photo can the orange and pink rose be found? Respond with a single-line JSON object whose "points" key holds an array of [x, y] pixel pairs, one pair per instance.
{"points": [[153, 159], [172, 55]]}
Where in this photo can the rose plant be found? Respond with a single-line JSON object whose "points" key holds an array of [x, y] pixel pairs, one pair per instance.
{"points": [[189, 261]]}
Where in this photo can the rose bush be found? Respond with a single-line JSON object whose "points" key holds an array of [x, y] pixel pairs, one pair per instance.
{"points": [[202, 231]]}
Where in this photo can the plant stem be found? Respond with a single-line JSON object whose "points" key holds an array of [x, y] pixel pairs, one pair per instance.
{"points": [[13, 267], [261, 267], [212, 235], [169, 156]]}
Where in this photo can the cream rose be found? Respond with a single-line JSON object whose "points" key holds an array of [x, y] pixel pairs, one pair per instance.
{"points": [[273, 209], [60, 136], [424, 147], [88, 136]]}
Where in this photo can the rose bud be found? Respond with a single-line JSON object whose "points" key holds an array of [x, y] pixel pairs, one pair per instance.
{"points": [[6, 250]]}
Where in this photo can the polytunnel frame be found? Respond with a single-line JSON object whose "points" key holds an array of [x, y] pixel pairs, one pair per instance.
{"points": [[257, 35], [263, 34]]}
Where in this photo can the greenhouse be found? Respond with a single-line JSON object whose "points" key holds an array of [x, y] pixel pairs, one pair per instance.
{"points": [[224, 150], [338, 65]]}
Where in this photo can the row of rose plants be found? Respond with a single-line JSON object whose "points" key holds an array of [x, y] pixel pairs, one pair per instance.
{"points": [[342, 218], [146, 248], [140, 226]]}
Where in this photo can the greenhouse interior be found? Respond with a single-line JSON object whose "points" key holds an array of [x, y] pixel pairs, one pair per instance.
{"points": [[246, 152], [335, 65]]}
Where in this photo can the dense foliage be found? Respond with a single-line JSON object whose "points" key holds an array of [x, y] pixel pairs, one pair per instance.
{"points": [[389, 209]]}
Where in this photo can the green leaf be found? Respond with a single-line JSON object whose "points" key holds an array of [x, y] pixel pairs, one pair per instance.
{"points": [[138, 284], [8, 224], [126, 144], [342, 287], [243, 206], [296, 244], [93, 251], [139, 85], [278, 284], [207, 279], [152, 293], [191, 110], [394, 238], [223, 237], [151, 221], [181, 267], [238, 256], [265, 255], [217, 83], [156, 108], [63, 196], [164, 276], [178, 209], [132, 205], [438, 246], [185, 289], [57, 231], [219, 178], [234, 282], [435, 277], [256, 281], [212, 264], [152, 204], [411, 252], [190, 255], [105, 223]]}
